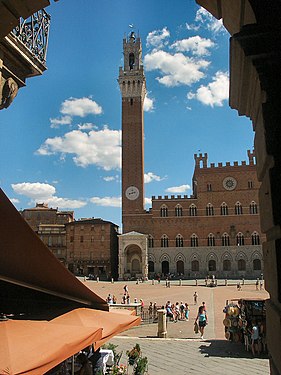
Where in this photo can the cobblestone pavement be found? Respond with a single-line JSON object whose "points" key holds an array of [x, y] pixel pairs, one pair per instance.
{"points": [[182, 352]]}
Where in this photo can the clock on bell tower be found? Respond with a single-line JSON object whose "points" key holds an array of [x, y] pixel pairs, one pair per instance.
{"points": [[132, 85]]}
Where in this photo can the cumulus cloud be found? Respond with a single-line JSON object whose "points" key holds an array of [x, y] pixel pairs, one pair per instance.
{"points": [[196, 45], [87, 126], [148, 104], [150, 176], [106, 201], [147, 201], [98, 147], [175, 69], [157, 38], [41, 192], [215, 93], [80, 107], [178, 189], [64, 120], [205, 19], [14, 200]]}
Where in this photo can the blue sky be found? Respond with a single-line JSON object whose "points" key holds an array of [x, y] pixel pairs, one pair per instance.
{"points": [[60, 139]]}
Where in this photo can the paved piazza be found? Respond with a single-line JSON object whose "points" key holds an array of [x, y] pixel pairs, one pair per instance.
{"points": [[183, 352]]}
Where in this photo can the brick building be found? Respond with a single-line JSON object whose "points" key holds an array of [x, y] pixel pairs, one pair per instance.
{"points": [[92, 247], [214, 231]]}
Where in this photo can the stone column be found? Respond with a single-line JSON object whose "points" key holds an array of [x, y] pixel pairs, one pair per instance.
{"points": [[162, 323]]}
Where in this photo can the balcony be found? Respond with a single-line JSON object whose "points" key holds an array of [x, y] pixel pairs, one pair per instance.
{"points": [[23, 55]]}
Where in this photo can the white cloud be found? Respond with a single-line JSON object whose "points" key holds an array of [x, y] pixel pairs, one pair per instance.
{"points": [[109, 178], [175, 69], [178, 189], [34, 190], [197, 45], [148, 104], [215, 92], [206, 20], [147, 201], [44, 193], [80, 107], [106, 201], [157, 38], [150, 176], [101, 148], [87, 126], [64, 120], [14, 200]]}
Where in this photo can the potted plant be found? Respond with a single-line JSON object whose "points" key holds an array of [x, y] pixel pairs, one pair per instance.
{"points": [[141, 366], [133, 354]]}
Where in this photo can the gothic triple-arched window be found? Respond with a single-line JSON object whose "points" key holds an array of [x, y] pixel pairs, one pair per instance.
{"points": [[164, 211], [194, 241], [238, 208], [253, 208], [150, 241], [164, 241], [225, 240], [211, 240], [131, 61], [240, 239], [178, 210], [179, 241], [209, 210], [255, 238], [192, 210], [224, 209]]}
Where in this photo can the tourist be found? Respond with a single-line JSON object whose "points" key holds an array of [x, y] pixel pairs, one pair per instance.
{"points": [[124, 299], [204, 306], [186, 311], [142, 304], [114, 299], [109, 299], [150, 309], [257, 284], [255, 338], [169, 311], [85, 368], [182, 311], [128, 299], [154, 311], [195, 297], [126, 289], [176, 312], [202, 320]]}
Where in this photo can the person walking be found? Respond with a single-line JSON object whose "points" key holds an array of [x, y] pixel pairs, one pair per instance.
{"points": [[195, 297], [202, 320], [186, 311]]}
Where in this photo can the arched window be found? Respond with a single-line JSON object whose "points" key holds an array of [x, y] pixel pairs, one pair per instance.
{"points": [[178, 210], [212, 266], [238, 208], [240, 239], [131, 61], [225, 240], [164, 211], [209, 210], [150, 266], [256, 264], [150, 241], [253, 208], [226, 265], [165, 267], [195, 265], [250, 184], [224, 209], [164, 241], [193, 210], [179, 241], [194, 241], [211, 240], [180, 267], [255, 238], [209, 187], [241, 265]]}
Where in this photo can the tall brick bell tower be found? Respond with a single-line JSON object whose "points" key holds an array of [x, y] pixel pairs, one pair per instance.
{"points": [[132, 85]]}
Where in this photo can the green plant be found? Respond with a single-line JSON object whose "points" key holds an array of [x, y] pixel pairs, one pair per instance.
{"points": [[112, 347], [141, 366], [133, 354]]}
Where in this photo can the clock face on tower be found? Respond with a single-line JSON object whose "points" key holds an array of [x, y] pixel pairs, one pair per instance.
{"points": [[132, 193], [229, 183]]}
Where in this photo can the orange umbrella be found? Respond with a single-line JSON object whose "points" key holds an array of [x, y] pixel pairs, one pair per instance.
{"points": [[34, 347], [112, 323]]}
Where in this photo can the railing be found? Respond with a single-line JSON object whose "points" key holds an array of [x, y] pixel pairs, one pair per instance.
{"points": [[34, 33]]}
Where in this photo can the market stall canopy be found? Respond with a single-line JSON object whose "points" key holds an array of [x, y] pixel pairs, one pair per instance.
{"points": [[34, 347], [30, 275], [112, 323]]}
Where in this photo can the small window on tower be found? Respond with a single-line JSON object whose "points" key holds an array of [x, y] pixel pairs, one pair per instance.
{"points": [[131, 61], [131, 101]]}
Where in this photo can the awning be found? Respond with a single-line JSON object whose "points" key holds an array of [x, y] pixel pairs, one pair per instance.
{"points": [[112, 323], [34, 347], [26, 262]]}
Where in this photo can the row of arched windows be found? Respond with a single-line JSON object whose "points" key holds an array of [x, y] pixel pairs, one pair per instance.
{"points": [[212, 266], [192, 210], [224, 240]]}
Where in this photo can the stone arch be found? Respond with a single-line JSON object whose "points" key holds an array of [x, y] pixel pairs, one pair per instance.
{"points": [[241, 255], [211, 256], [164, 257], [195, 256], [226, 256], [180, 256], [152, 257]]}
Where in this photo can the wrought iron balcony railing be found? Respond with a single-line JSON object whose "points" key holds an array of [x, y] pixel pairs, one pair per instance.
{"points": [[34, 33]]}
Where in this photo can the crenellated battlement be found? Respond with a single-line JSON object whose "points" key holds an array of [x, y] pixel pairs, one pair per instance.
{"points": [[201, 161], [172, 197]]}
